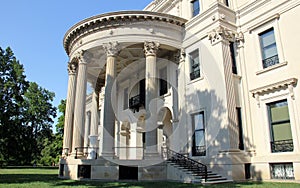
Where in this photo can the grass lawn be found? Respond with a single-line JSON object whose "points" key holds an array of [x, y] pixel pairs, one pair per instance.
{"points": [[41, 177]]}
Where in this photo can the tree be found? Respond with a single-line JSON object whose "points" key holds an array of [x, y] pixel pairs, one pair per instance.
{"points": [[53, 148], [38, 114], [12, 88]]}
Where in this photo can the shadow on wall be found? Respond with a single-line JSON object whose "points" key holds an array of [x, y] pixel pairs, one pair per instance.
{"points": [[217, 133]]}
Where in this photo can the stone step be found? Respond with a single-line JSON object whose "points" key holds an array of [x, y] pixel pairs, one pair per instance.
{"points": [[216, 182], [216, 179]]}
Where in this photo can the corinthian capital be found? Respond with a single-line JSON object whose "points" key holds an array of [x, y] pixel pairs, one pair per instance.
{"points": [[111, 48], [150, 48], [72, 67], [83, 57], [221, 33]]}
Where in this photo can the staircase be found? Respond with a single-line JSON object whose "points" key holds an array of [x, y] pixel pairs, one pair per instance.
{"points": [[195, 169]]}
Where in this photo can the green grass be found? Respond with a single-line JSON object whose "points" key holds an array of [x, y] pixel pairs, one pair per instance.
{"points": [[44, 177]]}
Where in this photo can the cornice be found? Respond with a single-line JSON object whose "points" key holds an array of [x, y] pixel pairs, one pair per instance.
{"points": [[284, 84], [114, 19]]}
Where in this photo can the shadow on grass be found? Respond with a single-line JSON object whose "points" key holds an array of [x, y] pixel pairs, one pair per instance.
{"points": [[53, 181]]}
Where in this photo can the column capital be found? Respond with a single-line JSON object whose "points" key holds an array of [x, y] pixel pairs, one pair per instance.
{"points": [[150, 48], [222, 34], [72, 67], [83, 57], [112, 48]]}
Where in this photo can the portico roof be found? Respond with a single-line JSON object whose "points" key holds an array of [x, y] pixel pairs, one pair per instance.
{"points": [[112, 20]]}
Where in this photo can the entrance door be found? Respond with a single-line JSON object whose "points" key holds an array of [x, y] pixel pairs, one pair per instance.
{"points": [[128, 173]]}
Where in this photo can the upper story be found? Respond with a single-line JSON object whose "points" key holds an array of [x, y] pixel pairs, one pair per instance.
{"points": [[191, 8]]}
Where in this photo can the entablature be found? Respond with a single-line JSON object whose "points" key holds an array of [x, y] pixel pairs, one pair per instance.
{"points": [[116, 19]]}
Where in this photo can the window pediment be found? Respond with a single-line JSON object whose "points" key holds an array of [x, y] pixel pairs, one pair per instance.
{"points": [[285, 84]]}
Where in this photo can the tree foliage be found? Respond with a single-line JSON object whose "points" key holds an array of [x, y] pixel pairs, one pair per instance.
{"points": [[26, 114], [53, 146]]}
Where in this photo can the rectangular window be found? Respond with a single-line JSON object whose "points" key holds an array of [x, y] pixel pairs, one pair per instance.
{"points": [[232, 55], [196, 7], [163, 84], [199, 148], [194, 65], [125, 102], [282, 171], [268, 48], [281, 134]]}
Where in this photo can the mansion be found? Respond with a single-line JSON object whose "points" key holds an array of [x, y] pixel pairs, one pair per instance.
{"points": [[186, 90]]}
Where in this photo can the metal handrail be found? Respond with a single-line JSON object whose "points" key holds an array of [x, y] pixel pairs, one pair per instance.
{"points": [[188, 162]]}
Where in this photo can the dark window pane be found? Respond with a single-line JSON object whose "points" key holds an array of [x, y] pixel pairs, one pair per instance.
{"points": [[268, 48]]}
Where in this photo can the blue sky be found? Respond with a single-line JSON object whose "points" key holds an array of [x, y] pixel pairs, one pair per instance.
{"points": [[34, 29]]}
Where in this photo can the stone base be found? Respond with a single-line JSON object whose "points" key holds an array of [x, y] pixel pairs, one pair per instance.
{"points": [[103, 169]]}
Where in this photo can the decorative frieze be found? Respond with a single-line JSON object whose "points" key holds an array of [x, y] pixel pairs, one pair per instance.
{"points": [[150, 48], [111, 48]]}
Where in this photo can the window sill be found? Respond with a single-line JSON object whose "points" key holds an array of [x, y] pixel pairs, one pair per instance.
{"points": [[271, 68], [196, 80]]}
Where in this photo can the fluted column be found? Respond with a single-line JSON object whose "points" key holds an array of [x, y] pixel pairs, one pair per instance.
{"points": [[112, 50], [79, 112], [87, 129], [94, 122], [150, 49], [94, 114], [69, 113]]}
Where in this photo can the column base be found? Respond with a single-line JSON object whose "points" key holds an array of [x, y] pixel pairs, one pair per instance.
{"points": [[77, 155], [109, 155]]}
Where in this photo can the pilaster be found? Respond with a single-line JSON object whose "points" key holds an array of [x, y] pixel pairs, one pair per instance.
{"points": [[220, 38]]}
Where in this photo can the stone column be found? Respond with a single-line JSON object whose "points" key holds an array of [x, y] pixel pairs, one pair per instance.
{"points": [[69, 114], [87, 129], [150, 49], [112, 50], [79, 112], [94, 124], [94, 114]]}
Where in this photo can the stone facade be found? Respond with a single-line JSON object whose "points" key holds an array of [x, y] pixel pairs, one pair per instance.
{"points": [[213, 80]]}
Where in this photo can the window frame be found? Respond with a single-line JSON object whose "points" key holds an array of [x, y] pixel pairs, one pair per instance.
{"points": [[289, 142], [272, 172], [195, 12], [194, 151], [192, 70], [255, 30], [264, 48]]}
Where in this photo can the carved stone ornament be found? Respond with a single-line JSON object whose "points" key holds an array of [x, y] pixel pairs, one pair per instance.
{"points": [[180, 55], [150, 48], [111, 48], [72, 67], [222, 33]]}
